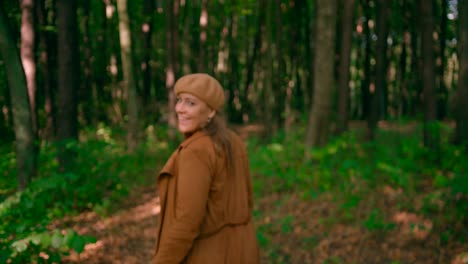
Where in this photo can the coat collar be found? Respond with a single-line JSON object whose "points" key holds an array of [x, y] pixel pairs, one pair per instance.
{"points": [[192, 138], [169, 167]]}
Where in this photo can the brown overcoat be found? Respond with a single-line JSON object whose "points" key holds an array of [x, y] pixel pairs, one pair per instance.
{"points": [[206, 212]]}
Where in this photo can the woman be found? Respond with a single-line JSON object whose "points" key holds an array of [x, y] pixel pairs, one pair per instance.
{"points": [[205, 187]]}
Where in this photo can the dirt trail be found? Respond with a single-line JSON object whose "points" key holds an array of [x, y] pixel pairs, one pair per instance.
{"points": [[127, 236], [296, 230]]}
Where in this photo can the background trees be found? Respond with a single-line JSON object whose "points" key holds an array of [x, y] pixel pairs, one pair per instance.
{"points": [[370, 91], [393, 60]]}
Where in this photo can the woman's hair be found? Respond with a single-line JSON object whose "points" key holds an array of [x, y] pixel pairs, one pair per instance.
{"points": [[217, 130]]}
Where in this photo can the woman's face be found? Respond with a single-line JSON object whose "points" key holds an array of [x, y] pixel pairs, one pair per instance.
{"points": [[192, 113]]}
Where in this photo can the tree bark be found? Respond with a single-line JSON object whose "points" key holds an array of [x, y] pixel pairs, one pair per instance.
{"points": [[366, 83], [251, 62], [203, 36], [172, 10], [68, 78], [442, 90], [431, 136], [47, 57], [25, 150], [378, 98], [320, 112], [128, 73], [461, 111], [27, 55], [147, 30], [343, 70]]}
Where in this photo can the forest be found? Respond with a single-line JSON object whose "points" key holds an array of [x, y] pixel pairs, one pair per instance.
{"points": [[353, 113]]}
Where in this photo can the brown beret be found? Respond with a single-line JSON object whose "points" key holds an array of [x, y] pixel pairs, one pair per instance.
{"points": [[203, 86]]}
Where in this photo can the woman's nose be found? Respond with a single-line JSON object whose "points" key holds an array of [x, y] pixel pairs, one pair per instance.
{"points": [[179, 107]]}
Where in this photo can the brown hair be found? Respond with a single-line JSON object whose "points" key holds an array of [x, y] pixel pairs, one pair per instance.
{"points": [[217, 130]]}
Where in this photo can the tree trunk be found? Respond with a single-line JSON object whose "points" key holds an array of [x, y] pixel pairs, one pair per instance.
{"points": [[68, 78], [442, 90], [87, 106], [128, 75], [378, 98], [251, 62], [234, 71], [172, 10], [366, 83], [431, 134], [25, 153], [147, 31], [203, 36], [320, 112], [47, 57], [27, 55], [461, 111], [343, 70]]}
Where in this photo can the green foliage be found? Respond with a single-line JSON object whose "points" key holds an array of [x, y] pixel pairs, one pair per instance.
{"points": [[352, 172], [101, 176], [376, 222]]}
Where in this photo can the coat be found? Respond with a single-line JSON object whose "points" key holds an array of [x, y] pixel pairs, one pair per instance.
{"points": [[206, 213]]}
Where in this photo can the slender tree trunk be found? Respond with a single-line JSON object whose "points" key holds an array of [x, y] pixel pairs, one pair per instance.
{"points": [[47, 58], [431, 134], [203, 35], [147, 31], [234, 71], [343, 70], [309, 55], [320, 112], [68, 78], [442, 90], [461, 109], [128, 73], [366, 84], [25, 153], [172, 10], [27, 54], [87, 105], [378, 101], [404, 94], [251, 62]]}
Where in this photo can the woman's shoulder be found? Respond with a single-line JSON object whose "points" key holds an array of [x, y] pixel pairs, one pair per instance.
{"points": [[199, 142]]}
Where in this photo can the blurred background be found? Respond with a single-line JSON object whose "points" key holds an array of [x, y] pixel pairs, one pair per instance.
{"points": [[354, 113]]}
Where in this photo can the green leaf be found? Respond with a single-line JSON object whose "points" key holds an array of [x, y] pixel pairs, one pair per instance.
{"points": [[20, 245], [77, 243], [57, 240]]}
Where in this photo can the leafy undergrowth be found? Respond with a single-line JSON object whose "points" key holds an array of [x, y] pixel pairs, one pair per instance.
{"points": [[101, 177], [390, 201]]}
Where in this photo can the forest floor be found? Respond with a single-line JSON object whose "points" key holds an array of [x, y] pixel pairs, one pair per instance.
{"points": [[128, 235], [293, 229]]}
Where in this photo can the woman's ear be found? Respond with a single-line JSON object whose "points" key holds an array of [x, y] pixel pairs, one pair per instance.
{"points": [[212, 113]]}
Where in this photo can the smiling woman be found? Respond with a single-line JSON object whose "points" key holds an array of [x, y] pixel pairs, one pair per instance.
{"points": [[205, 187]]}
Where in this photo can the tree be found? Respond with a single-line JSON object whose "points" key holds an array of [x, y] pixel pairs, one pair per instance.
{"points": [[27, 54], [172, 67], [48, 54], [461, 111], [68, 78], [320, 112], [129, 79], [343, 70], [428, 75], [25, 153], [378, 98]]}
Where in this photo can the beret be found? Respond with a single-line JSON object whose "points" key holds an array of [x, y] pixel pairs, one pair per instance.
{"points": [[203, 86]]}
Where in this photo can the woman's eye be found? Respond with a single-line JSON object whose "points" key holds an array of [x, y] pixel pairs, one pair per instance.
{"points": [[190, 103]]}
